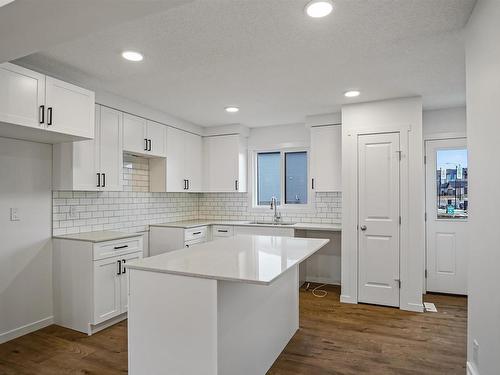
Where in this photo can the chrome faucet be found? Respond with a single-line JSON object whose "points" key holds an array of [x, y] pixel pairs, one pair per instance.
{"points": [[274, 205]]}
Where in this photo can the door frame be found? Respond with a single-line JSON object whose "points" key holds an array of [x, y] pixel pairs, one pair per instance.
{"points": [[399, 208], [436, 137], [404, 209]]}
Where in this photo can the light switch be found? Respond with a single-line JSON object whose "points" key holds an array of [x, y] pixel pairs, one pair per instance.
{"points": [[14, 214]]}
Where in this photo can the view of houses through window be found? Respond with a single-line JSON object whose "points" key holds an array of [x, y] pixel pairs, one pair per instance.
{"points": [[452, 184], [275, 180]]}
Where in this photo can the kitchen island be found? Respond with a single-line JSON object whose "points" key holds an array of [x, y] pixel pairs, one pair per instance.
{"points": [[219, 308]]}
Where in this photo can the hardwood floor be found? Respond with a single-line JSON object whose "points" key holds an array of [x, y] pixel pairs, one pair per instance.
{"points": [[333, 338]]}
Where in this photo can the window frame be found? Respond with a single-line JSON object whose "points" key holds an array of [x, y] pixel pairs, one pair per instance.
{"points": [[283, 207]]}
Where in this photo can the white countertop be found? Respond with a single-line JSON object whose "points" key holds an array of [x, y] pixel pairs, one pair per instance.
{"points": [[243, 258], [200, 223], [100, 236]]}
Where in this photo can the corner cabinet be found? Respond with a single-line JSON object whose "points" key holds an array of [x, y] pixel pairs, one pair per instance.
{"points": [[144, 137], [181, 170], [39, 108], [326, 158], [92, 165], [90, 281], [225, 163]]}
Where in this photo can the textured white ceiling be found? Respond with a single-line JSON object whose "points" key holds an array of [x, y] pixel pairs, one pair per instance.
{"points": [[270, 59]]}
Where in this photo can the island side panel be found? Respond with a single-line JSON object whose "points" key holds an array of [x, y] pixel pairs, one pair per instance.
{"points": [[255, 323], [172, 324]]}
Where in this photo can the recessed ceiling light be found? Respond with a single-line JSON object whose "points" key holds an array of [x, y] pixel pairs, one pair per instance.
{"points": [[132, 56], [351, 93], [319, 8], [232, 109]]}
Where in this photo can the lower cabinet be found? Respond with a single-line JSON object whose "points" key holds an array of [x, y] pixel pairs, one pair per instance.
{"points": [[90, 281], [164, 239]]}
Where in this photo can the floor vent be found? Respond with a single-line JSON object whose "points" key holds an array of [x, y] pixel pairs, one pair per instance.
{"points": [[430, 307]]}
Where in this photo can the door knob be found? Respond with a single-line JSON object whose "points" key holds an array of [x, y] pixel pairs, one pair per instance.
{"points": [[363, 227]]}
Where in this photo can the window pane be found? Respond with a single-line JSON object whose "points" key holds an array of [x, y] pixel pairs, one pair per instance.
{"points": [[296, 177], [452, 184], [268, 177]]}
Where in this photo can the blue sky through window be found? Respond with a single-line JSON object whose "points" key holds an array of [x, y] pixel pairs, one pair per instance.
{"points": [[448, 159]]}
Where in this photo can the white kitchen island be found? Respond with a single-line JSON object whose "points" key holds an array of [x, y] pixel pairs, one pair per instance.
{"points": [[224, 307]]}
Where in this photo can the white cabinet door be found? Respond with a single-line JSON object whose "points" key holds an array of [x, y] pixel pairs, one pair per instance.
{"points": [[86, 160], [193, 150], [123, 280], [221, 163], [134, 134], [107, 298], [157, 134], [70, 109], [175, 161], [22, 95], [110, 149], [326, 162]]}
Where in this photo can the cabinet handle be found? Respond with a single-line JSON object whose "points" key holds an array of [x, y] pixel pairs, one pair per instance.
{"points": [[41, 114], [236, 185], [222, 230], [195, 233], [103, 179], [145, 144], [184, 184], [120, 247], [123, 265], [119, 267], [312, 183], [150, 144], [98, 180], [187, 184], [49, 116]]}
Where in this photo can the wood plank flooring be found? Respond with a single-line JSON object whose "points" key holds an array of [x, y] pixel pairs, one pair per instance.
{"points": [[333, 339]]}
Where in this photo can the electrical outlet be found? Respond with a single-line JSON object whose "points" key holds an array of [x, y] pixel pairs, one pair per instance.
{"points": [[14, 214], [475, 352]]}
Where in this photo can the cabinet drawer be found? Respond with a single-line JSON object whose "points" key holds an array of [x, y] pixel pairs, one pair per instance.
{"points": [[194, 242], [195, 233], [117, 247], [222, 231]]}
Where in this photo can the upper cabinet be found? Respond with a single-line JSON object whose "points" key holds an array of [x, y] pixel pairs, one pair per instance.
{"points": [[326, 158], [92, 165], [225, 163], [143, 137], [181, 171], [40, 108]]}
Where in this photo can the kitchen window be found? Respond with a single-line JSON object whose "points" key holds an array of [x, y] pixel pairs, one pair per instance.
{"points": [[282, 174]]}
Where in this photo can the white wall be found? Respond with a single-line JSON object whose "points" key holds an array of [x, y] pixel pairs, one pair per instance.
{"points": [[448, 122], [483, 135], [26, 245], [404, 115], [280, 135]]}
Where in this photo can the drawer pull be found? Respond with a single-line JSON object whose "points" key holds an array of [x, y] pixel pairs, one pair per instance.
{"points": [[195, 233], [222, 230], [120, 247]]}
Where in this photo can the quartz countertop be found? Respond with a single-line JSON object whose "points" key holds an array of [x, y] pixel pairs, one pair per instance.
{"points": [[100, 236], [200, 223], [245, 258]]}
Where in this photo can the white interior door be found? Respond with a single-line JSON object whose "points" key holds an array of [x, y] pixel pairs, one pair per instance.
{"points": [[378, 229], [446, 212]]}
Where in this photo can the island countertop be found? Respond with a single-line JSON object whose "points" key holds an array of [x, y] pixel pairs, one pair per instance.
{"points": [[245, 258]]}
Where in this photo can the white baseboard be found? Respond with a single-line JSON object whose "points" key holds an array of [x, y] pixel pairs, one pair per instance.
{"points": [[24, 330], [471, 369], [108, 323], [322, 280], [347, 299]]}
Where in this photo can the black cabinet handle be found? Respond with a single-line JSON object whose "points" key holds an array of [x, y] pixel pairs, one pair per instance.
{"points": [[145, 144], [222, 230], [103, 179], [119, 267], [120, 247], [49, 116], [187, 184], [236, 185], [123, 264], [312, 183], [98, 180], [196, 233], [41, 114], [150, 144], [184, 184]]}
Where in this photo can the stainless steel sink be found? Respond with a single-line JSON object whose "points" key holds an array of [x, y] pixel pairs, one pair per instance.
{"points": [[270, 223]]}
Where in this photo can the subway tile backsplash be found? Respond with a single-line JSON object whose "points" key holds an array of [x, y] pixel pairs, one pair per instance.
{"points": [[134, 208]]}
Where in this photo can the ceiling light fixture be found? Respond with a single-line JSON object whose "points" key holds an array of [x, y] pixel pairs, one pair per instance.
{"points": [[351, 93], [319, 8], [232, 109], [132, 56]]}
